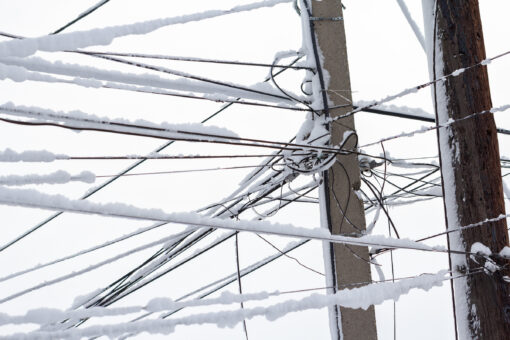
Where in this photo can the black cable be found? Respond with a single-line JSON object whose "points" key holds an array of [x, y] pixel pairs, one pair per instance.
{"points": [[407, 191], [81, 16], [116, 295], [379, 199], [411, 184], [411, 116], [108, 182], [230, 281], [238, 271], [186, 75], [193, 59]]}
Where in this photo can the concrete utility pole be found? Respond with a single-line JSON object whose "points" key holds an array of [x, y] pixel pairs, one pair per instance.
{"points": [[344, 210], [470, 168]]}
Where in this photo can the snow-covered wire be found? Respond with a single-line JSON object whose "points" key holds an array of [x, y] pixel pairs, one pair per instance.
{"points": [[82, 252], [440, 126], [91, 267], [104, 36], [415, 89], [361, 297], [82, 15], [35, 199], [57, 177], [194, 59], [10, 156], [412, 23]]}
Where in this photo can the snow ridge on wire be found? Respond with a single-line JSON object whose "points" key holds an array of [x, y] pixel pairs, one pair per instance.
{"points": [[57, 177], [36, 199], [88, 120], [104, 36], [9, 155], [361, 297], [441, 126], [20, 69]]}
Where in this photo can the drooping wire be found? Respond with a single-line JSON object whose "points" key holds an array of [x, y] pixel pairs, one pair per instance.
{"points": [[239, 285], [193, 59], [128, 169]]}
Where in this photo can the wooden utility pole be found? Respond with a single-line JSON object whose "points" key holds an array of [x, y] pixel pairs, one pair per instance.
{"points": [[470, 167], [344, 210]]}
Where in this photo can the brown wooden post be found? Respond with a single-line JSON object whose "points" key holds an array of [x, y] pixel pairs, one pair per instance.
{"points": [[470, 169]]}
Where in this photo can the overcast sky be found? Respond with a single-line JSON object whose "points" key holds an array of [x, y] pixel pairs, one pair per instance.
{"points": [[384, 57]]}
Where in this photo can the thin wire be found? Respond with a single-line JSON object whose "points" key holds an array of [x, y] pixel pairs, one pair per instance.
{"points": [[352, 241], [98, 188], [337, 201], [81, 16], [82, 252], [390, 224], [418, 87], [88, 269], [193, 302], [445, 125], [230, 140], [116, 298], [189, 96], [187, 75], [232, 278], [131, 167], [182, 95], [238, 270], [192, 59], [411, 184], [227, 139], [290, 257], [139, 330], [253, 269], [163, 157], [373, 189], [185, 171]]}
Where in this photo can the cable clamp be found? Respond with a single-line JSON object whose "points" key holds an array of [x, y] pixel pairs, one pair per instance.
{"points": [[367, 164]]}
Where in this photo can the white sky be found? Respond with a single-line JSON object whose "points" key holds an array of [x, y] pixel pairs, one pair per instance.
{"points": [[384, 58]]}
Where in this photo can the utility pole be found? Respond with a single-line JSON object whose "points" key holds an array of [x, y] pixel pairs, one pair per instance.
{"points": [[470, 168], [343, 209]]}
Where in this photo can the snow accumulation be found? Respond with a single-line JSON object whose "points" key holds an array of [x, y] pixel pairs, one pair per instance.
{"points": [[443, 124], [104, 36], [479, 248], [412, 23], [85, 120], [77, 302], [361, 297], [20, 74], [506, 190], [436, 70], [505, 252], [413, 111], [90, 268], [43, 265], [36, 199], [9, 155], [88, 76], [57, 177]]}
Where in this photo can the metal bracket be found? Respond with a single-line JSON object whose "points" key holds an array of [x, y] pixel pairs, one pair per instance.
{"points": [[326, 19]]}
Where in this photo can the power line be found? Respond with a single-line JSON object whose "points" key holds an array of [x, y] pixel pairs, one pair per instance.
{"points": [[82, 15], [411, 116], [128, 169], [192, 59]]}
